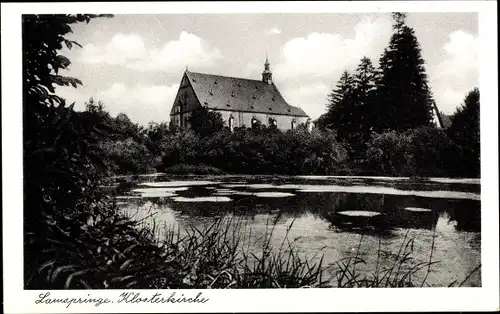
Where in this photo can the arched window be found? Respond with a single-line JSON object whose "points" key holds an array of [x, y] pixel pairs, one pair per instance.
{"points": [[231, 123], [272, 122], [255, 122], [294, 124]]}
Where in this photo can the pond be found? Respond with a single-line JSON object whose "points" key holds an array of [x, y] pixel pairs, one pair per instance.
{"points": [[332, 217]]}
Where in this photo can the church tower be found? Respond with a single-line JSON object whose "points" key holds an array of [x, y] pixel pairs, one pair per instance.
{"points": [[267, 75]]}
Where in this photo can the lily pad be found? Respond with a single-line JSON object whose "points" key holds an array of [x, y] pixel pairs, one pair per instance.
{"points": [[202, 199], [178, 183], [418, 209], [359, 213], [273, 194]]}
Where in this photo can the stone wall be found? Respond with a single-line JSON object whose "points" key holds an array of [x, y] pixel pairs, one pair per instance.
{"points": [[245, 119], [240, 119]]}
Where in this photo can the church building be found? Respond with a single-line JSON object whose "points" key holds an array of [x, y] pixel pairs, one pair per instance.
{"points": [[242, 102]]}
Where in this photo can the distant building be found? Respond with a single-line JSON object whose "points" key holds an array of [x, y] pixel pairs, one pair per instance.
{"points": [[242, 102]]}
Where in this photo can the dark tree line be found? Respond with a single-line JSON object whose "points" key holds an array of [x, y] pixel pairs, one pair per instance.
{"points": [[395, 98]]}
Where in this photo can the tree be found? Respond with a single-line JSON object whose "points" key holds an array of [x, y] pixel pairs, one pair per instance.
{"points": [[339, 107], [362, 115], [403, 96], [464, 130], [59, 168], [204, 122]]}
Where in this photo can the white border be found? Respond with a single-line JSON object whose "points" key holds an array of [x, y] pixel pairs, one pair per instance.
{"points": [[16, 300]]}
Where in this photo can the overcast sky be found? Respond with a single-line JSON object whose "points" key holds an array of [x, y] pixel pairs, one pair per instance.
{"points": [[134, 63]]}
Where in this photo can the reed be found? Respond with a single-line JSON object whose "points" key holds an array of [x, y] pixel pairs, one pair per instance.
{"points": [[111, 250]]}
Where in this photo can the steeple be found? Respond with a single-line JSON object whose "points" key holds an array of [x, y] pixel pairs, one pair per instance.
{"points": [[267, 75]]}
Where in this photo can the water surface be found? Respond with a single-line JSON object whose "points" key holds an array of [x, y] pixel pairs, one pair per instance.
{"points": [[332, 216]]}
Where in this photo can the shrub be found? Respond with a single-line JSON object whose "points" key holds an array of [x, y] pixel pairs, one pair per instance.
{"points": [[198, 169], [423, 151], [259, 151], [389, 154]]}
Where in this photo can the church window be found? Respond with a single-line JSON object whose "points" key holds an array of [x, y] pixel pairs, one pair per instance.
{"points": [[231, 123], [293, 124], [255, 122]]}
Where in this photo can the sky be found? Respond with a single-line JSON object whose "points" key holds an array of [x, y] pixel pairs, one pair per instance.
{"points": [[134, 63]]}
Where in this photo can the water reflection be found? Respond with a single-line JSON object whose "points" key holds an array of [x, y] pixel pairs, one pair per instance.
{"points": [[395, 210], [332, 219]]}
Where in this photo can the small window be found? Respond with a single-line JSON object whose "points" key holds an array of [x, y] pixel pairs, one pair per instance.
{"points": [[293, 124], [255, 122]]}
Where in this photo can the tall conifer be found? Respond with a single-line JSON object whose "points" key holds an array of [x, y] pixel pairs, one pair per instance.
{"points": [[403, 96]]}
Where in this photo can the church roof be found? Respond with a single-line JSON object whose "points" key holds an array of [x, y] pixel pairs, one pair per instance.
{"points": [[238, 94]]}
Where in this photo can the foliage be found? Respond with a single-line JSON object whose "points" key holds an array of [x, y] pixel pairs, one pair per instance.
{"points": [[59, 165], [417, 152], [198, 169], [260, 150], [124, 146], [464, 131], [119, 252], [205, 122], [389, 154], [340, 103], [403, 98]]}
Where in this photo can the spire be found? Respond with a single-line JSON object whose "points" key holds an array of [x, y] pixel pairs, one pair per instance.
{"points": [[267, 75]]}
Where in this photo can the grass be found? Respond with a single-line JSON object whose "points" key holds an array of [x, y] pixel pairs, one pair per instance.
{"points": [[111, 251]]}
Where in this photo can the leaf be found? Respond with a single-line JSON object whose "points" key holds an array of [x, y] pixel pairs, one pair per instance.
{"points": [[68, 43], [129, 248], [70, 277], [120, 279], [45, 265], [126, 264], [131, 284], [61, 269], [65, 80], [85, 284], [62, 61]]}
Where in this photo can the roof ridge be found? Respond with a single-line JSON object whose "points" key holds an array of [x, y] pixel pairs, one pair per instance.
{"points": [[231, 77]]}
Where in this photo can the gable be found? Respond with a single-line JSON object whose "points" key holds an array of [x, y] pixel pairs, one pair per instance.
{"points": [[186, 99]]}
